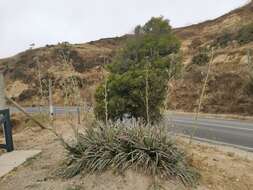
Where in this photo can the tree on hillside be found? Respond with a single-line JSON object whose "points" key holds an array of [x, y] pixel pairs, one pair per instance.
{"points": [[137, 83]]}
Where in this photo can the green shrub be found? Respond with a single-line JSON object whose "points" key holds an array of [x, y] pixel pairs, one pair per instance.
{"points": [[19, 74], [148, 60], [224, 39], [201, 58], [27, 94], [245, 34], [242, 36], [149, 150]]}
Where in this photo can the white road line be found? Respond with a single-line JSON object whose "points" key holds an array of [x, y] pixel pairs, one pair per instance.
{"points": [[217, 142], [211, 125]]}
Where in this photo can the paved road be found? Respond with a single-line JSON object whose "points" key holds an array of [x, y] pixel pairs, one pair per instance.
{"points": [[57, 109], [232, 132]]}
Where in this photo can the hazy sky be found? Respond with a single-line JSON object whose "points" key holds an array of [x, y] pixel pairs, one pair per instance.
{"points": [[23, 22]]}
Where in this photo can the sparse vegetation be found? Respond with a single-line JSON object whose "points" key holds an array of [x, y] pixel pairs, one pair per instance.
{"points": [[245, 34], [195, 43], [201, 58], [224, 39], [120, 147], [152, 52], [26, 94], [18, 74]]}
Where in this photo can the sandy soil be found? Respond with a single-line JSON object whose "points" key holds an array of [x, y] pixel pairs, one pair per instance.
{"points": [[222, 168], [16, 88]]}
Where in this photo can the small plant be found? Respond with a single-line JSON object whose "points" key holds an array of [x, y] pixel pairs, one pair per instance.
{"points": [[201, 58], [149, 150], [245, 34], [224, 39]]}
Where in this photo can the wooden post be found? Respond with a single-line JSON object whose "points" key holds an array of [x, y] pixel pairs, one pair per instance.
{"points": [[26, 113], [51, 108], [6, 133], [2, 92], [78, 115]]}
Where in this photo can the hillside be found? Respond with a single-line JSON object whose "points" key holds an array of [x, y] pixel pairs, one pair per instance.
{"points": [[228, 89], [58, 62]]}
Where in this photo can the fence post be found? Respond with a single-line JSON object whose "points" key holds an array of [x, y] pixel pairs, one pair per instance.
{"points": [[8, 131], [78, 115], [51, 108], [2, 92], [7, 127]]}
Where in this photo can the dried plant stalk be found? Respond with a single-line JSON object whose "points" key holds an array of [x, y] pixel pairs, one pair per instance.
{"points": [[202, 93], [147, 94], [106, 102]]}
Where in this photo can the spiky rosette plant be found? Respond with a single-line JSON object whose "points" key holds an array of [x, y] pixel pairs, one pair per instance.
{"points": [[149, 150]]}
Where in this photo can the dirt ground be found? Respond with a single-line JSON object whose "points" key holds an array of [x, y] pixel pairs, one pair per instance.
{"points": [[222, 168]]}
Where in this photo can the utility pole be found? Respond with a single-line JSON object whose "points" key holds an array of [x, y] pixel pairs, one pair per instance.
{"points": [[51, 108], [2, 92], [78, 115]]}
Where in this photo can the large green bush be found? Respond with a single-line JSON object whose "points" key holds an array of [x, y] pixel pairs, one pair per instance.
{"points": [[147, 61]]}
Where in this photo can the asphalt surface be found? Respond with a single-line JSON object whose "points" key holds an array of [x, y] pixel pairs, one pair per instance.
{"points": [[224, 131], [231, 132]]}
